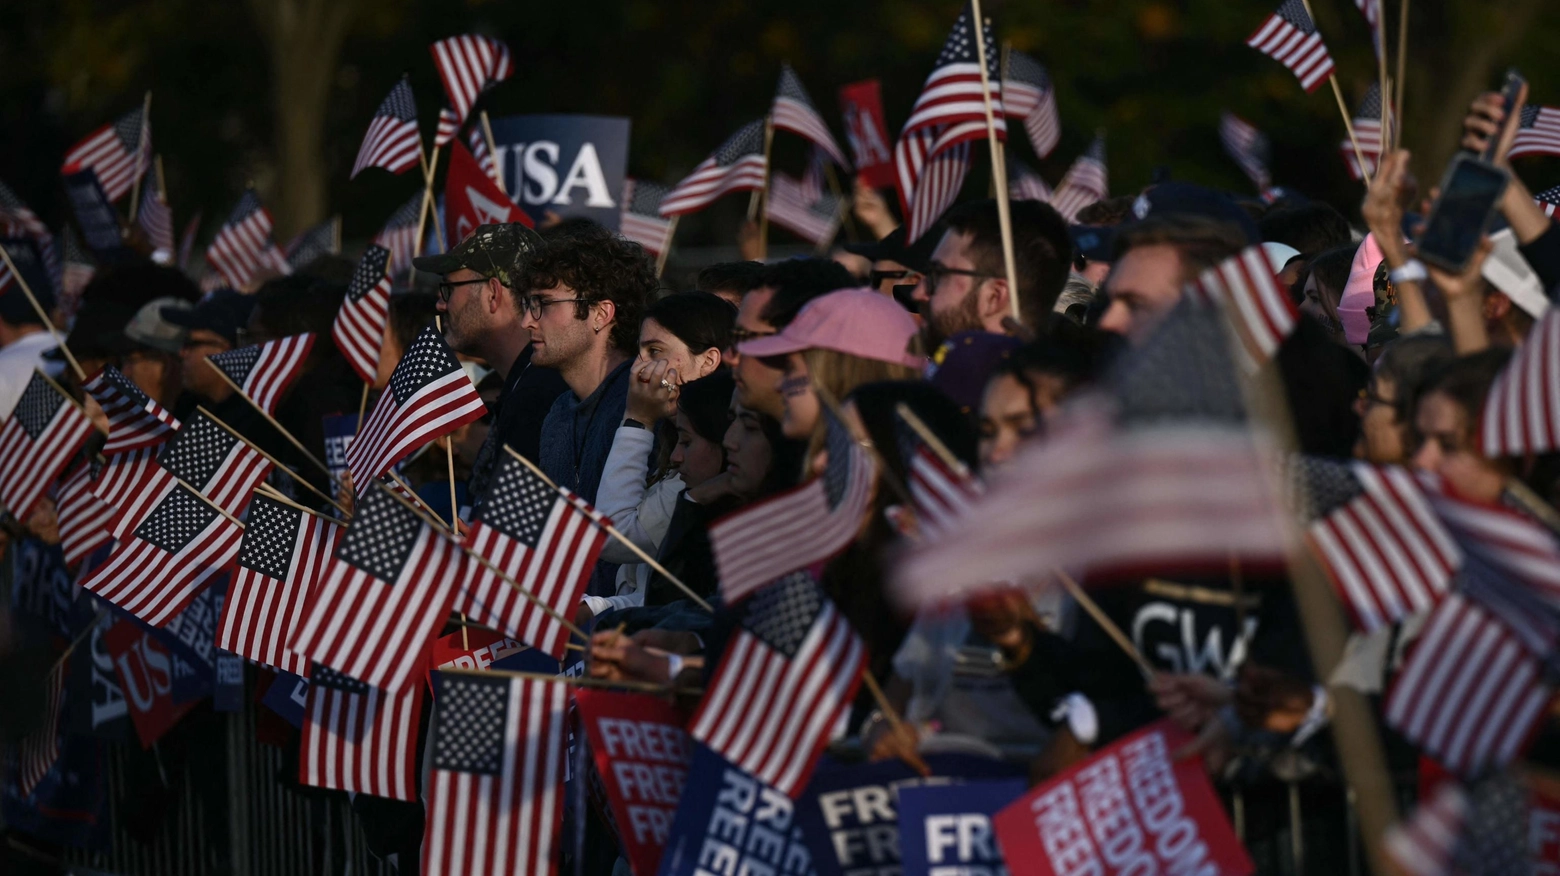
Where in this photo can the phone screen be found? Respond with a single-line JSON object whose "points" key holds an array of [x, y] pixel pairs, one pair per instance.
{"points": [[1459, 217]]}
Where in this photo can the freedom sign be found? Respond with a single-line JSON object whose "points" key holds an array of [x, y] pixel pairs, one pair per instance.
{"points": [[947, 831], [571, 165], [730, 823], [642, 755], [1128, 809]]}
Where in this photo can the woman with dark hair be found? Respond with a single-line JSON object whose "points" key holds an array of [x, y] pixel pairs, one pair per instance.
{"points": [[1446, 426], [1319, 288]]}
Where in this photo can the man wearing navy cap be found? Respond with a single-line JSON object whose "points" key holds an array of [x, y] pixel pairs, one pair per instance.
{"points": [[214, 326]]}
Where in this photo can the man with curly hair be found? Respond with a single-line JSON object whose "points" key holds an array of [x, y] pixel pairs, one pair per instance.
{"points": [[583, 293]]}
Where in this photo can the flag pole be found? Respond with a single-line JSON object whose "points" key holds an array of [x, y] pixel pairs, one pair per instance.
{"points": [[1386, 84], [146, 123], [851, 232], [38, 309], [273, 460], [1088, 604], [487, 134], [272, 420], [666, 247], [763, 193], [998, 168], [162, 179], [449, 457], [891, 715], [1343, 109], [428, 168], [1402, 61], [362, 408]]}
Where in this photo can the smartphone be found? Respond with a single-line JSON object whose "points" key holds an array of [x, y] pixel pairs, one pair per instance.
{"points": [[1470, 194], [1508, 93]]}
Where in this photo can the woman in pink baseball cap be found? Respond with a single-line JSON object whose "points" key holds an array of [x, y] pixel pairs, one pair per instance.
{"points": [[836, 343]]}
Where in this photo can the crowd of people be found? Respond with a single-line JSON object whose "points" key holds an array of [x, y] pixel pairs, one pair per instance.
{"points": [[668, 409]]}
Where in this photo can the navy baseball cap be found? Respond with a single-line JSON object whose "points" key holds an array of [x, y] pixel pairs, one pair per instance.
{"points": [[224, 312], [1190, 199], [892, 248]]}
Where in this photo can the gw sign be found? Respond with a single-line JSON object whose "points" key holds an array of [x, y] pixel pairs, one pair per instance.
{"points": [[570, 165]]}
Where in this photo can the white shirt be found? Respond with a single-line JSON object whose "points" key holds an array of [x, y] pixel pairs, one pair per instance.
{"points": [[17, 361]]}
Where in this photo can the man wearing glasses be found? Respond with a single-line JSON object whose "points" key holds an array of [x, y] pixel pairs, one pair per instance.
{"points": [[481, 315]]}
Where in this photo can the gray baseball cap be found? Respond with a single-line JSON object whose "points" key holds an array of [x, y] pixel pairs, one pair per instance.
{"points": [[491, 250], [150, 329]]}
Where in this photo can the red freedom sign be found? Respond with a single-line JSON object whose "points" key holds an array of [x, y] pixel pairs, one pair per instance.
{"points": [[862, 104], [642, 754], [1128, 809]]}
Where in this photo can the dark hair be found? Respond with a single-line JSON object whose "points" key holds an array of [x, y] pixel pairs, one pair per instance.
{"points": [[1042, 251], [1322, 381], [1466, 380], [786, 458], [738, 277], [876, 403], [1407, 361], [1331, 270], [599, 266], [136, 283], [699, 319], [298, 303], [410, 313], [798, 281], [331, 268], [1110, 211], [1310, 228], [707, 404], [1201, 242], [1070, 351]]}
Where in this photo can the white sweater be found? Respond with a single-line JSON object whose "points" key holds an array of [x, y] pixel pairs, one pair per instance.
{"points": [[641, 513]]}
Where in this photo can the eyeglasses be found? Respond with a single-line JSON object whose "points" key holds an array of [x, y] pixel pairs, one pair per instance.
{"points": [[936, 273], [446, 289], [534, 306], [742, 335]]}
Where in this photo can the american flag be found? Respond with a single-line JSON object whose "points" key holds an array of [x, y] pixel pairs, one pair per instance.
{"points": [[311, 243], [204, 455], [243, 249], [1086, 182], [1522, 412], [359, 738], [156, 219], [429, 397], [1378, 537], [359, 329], [784, 686], [262, 372], [130, 483], [641, 220], [1506, 540], [933, 152], [1371, 9], [738, 165], [1367, 130], [16, 219], [166, 560], [400, 235], [479, 150], [83, 517], [187, 241], [1026, 185], [544, 539], [284, 552], [393, 141], [1254, 300], [1478, 828], [1471, 692], [1289, 37], [495, 794], [379, 604], [815, 220], [134, 419], [813, 522], [1106, 491], [468, 65], [1423, 845], [38, 750], [942, 493], [793, 111], [119, 153], [1027, 94], [78, 270], [1248, 146], [1538, 132], [44, 431]]}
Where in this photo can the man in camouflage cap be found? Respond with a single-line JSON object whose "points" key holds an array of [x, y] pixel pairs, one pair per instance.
{"points": [[481, 316]]}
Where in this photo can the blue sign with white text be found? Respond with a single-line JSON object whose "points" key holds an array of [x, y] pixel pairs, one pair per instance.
{"points": [[569, 165], [731, 824], [948, 832]]}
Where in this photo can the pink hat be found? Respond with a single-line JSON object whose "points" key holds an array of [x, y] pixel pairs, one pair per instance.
{"points": [[1360, 291], [860, 322]]}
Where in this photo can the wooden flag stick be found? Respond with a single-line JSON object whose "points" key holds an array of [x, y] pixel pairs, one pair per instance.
{"points": [[666, 247], [1381, 75], [486, 563], [998, 167], [273, 460], [135, 186], [763, 212], [891, 715], [851, 232], [581, 680], [449, 458], [162, 179], [613, 531], [80, 637], [38, 309], [428, 168], [1397, 84], [487, 134], [1348, 125], [273, 493], [362, 408], [293, 439], [919, 427], [1087, 603]]}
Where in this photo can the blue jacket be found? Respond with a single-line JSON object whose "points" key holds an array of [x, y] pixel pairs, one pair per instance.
{"points": [[576, 438]]}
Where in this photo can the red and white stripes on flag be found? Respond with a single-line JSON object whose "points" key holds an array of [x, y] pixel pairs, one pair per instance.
{"points": [[1026, 185], [1538, 132], [788, 205], [1424, 844], [1470, 694], [737, 165], [83, 517], [1367, 132], [933, 152], [118, 153], [284, 552], [1508, 541], [44, 431], [400, 235], [793, 111], [641, 219], [1029, 95], [495, 788], [393, 141], [467, 65], [1521, 414], [1548, 199], [1086, 181], [38, 750], [131, 483], [156, 219], [380, 601], [211, 460], [135, 420], [942, 495], [243, 249], [262, 372], [1249, 148], [1254, 300], [429, 396], [359, 738], [784, 685], [546, 539], [163, 563], [359, 329], [1289, 36], [1385, 550]]}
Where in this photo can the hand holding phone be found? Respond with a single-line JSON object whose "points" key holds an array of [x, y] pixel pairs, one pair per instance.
{"points": [[1460, 217]]}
